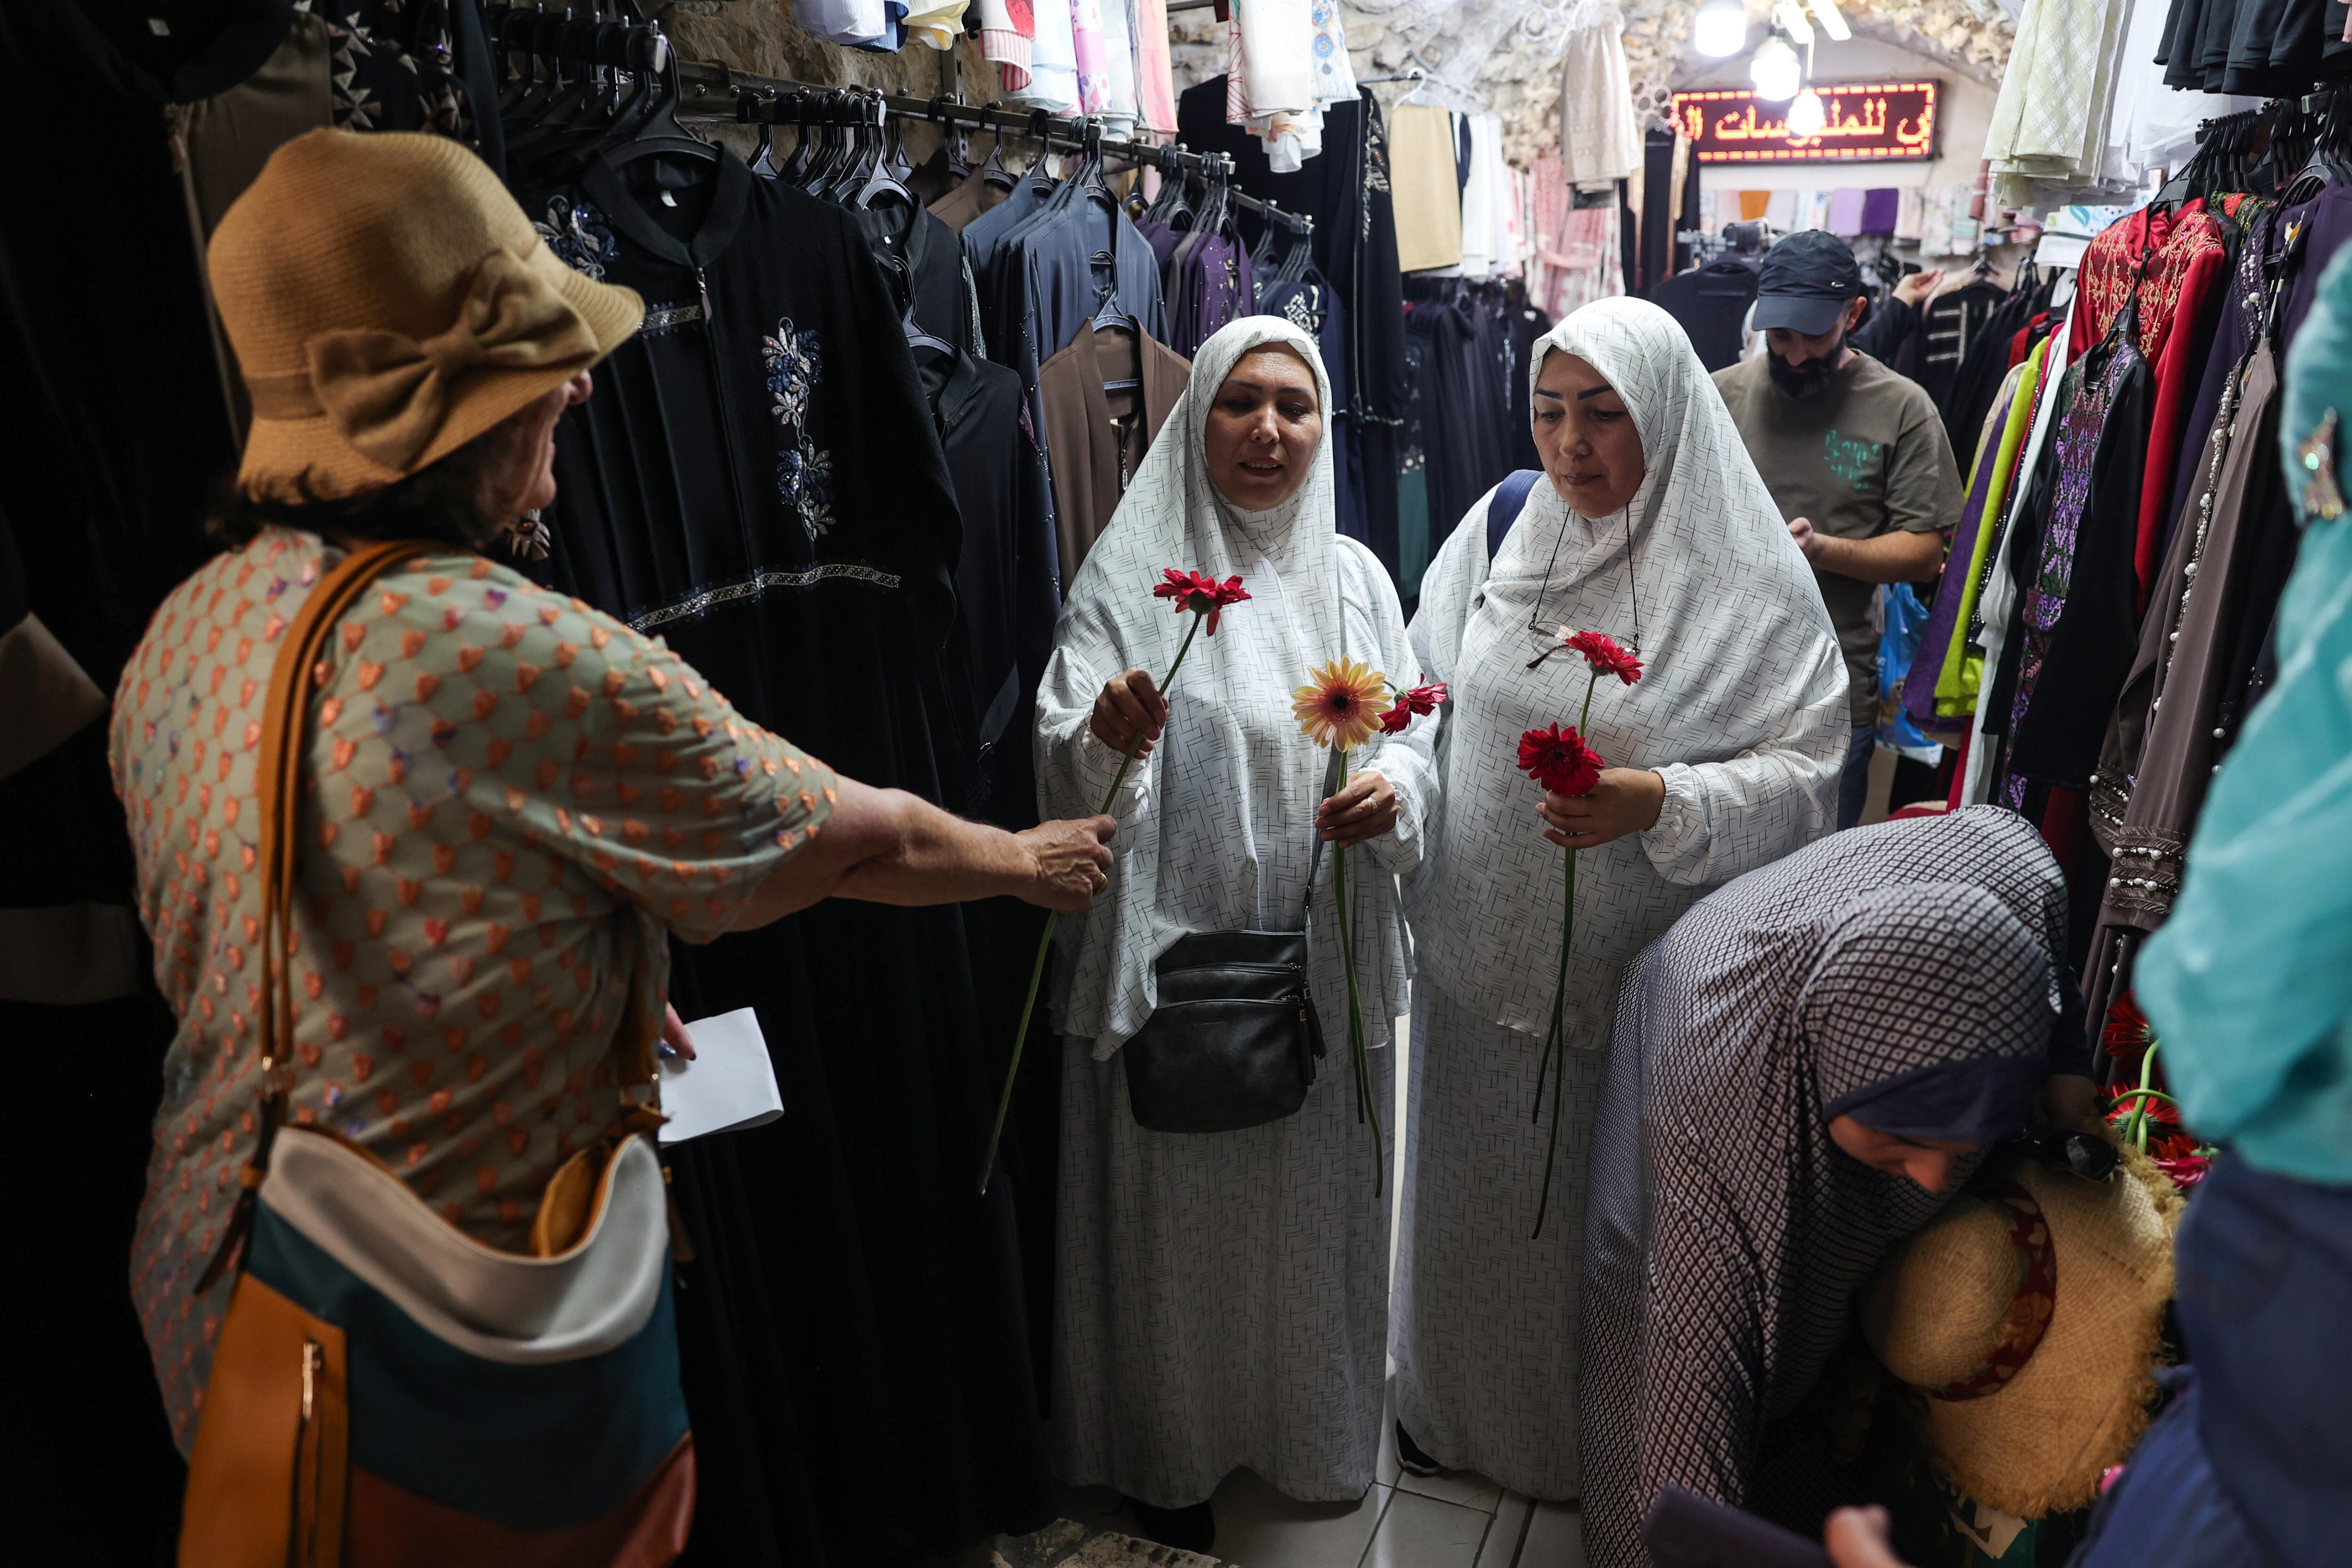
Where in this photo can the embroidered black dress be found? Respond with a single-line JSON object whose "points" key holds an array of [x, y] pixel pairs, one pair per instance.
{"points": [[758, 479]]}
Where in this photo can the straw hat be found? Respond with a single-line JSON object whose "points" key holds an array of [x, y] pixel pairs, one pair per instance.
{"points": [[2028, 1319], [388, 302]]}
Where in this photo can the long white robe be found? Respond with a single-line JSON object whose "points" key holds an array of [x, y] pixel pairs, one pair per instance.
{"points": [[1221, 1299], [1739, 710]]}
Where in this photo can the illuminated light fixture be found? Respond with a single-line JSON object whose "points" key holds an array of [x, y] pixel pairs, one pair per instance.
{"points": [[1806, 115], [1775, 70], [1832, 19], [1721, 30]]}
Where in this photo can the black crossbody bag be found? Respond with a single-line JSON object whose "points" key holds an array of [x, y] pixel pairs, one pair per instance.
{"points": [[1236, 1038]]}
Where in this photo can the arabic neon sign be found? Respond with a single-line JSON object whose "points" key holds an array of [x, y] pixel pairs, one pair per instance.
{"points": [[1873, 120]]}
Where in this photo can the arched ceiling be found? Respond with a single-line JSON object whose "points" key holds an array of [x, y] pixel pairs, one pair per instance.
{"points": [[1498, 55]]}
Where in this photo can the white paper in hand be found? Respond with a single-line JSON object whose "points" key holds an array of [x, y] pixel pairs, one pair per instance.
{"points": [[729, 1085]]}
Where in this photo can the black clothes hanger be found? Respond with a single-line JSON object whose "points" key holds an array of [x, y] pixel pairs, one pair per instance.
{"points": [[994, 171], [1174, 206], [661, 133], [1261, 254], [886, 183], [795, 171]]}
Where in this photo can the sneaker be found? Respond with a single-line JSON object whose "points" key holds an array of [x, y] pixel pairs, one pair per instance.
{"points": [[1411, 1455], [1193, 1528]]}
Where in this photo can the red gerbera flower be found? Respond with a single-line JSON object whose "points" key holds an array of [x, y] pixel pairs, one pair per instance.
{"points": [[1201, 594], [2126, 1031], [2187, 1170], [1601, 651], [2158, 1111], [1420, 699], [1558, 759]]}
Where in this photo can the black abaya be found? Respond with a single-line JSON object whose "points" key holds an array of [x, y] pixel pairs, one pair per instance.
{"points": [[759, 480]]}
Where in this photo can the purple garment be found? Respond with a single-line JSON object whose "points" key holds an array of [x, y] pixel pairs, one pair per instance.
{"points": [[1936, 641], [1211, 286], [1164, 241], [1845, 214], [1879, 208]]}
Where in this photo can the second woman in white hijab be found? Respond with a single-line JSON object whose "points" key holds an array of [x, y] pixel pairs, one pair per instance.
{"points": [[1222, 1298], [1650, 525]]}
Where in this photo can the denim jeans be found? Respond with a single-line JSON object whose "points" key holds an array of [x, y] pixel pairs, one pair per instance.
{"points": [[2251, 1465]]}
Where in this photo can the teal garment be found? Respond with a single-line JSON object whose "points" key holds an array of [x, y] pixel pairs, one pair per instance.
{"points": [[2249, 982]]}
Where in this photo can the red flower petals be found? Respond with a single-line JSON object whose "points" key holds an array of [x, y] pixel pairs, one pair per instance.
{"points": [[1601, 651], [1556, 758], [1200, 592], [1420, 699]]}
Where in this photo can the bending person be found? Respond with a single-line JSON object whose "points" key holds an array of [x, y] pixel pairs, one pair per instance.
{"points": [[1653, 528], [1222, 1297], [1802, 1068]]}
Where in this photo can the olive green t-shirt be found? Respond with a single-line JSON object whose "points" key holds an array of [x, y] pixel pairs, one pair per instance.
{"points": [[1866, 455]]}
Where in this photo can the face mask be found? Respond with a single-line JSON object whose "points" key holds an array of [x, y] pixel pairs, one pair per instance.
{"points": [[1809, 380]]}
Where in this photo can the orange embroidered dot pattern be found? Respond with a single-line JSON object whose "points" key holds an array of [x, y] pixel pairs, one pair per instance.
{"points": [[511, 799]]}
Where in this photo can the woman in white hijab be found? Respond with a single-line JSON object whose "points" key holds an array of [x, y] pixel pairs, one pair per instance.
{"points": [[1654, 529], [1221, 1299]]}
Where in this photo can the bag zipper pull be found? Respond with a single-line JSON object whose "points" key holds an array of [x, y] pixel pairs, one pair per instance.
{"points": [[702, 287]]}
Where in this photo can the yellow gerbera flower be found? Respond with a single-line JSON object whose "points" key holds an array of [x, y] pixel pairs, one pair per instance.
{"points": [[1341, 705]]}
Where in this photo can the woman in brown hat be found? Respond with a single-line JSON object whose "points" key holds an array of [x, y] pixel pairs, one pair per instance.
{"points": [[508, 801], [1801, 1068]]}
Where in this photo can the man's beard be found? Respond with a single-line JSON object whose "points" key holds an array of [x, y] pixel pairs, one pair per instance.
{"points": [[1811, 379]]}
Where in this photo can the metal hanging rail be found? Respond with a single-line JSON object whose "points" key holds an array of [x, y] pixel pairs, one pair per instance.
{"points": [[700, 78]]}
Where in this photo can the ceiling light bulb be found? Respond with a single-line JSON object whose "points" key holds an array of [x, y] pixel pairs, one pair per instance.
{"points": [[1721, 30], [1775, 70], [1806, 116]]}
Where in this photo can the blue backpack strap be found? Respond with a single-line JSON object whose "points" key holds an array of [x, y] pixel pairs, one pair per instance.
{"points": [[1503, 509]]}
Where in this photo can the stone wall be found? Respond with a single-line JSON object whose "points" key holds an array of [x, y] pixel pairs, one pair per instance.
{"points": [[1500, 55]]}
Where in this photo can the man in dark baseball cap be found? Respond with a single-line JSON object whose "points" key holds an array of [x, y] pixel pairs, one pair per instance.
{"points": [[1854, 455], [1808, 296]]}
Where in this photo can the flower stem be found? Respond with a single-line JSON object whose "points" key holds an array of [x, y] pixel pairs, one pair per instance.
{"points": [[2136, 1129], [1360, 1055], [1045, 937], [1555, 1049], [1556, 1042]]}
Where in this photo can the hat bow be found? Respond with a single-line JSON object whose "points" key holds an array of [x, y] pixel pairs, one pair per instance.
{"points": [[388, 392]]}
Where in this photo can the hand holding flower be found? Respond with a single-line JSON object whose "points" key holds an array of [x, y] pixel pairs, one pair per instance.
{"points": [[1365, 808], [1622, 801], [1129, 713]]}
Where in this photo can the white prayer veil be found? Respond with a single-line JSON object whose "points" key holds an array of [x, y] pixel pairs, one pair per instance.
{"points": [[1225, 833], [1737, 707]]}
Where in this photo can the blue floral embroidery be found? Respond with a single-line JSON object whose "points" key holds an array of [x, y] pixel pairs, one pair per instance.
{"points": [[804, 470], [579, 236]]}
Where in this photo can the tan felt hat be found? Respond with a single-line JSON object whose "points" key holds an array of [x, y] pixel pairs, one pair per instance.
{"points": [[388, 302], [2027, 1320]]}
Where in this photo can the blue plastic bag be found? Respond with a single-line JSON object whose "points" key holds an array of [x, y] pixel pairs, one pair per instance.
{"points": [[1898, 645]]}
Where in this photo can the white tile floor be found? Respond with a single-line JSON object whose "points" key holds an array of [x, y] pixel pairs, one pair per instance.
{"points": [[1459, 1519]]}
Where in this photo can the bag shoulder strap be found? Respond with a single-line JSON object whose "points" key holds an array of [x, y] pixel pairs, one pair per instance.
{"points": [[1503, 509], [277, 785]]}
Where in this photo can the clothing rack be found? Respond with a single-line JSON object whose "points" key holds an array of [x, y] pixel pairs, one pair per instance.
{"points": [[756, 97]]}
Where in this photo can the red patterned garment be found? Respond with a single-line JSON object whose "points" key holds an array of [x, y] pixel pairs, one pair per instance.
{"points": [[2184, 262], [511, 802], [2186, 279]]}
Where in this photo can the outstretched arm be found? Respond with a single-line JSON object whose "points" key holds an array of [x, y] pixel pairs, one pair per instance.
{"points": [[886, 847]]}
